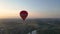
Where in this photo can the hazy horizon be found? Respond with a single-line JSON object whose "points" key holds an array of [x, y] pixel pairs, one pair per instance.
{"points": [[35, 8]]}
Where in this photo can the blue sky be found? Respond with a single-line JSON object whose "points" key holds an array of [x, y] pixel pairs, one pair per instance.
{"points": [[36, 8]]}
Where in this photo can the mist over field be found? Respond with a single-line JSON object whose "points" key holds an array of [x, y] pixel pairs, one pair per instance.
{"points": [[18, 26]]}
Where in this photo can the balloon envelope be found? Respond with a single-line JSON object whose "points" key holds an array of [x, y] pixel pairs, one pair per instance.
{"points": [[23, 14]]}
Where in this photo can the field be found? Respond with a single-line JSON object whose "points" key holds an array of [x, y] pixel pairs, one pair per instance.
{"points": [[18, 26]]}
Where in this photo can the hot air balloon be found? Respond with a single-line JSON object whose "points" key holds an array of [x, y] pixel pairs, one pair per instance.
{"points": [[23, 14]]}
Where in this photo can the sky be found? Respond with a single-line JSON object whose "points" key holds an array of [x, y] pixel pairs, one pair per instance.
{"points": [[35, 8]]}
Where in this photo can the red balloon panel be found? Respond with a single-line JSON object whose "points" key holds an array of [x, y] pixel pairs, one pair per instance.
{"points": [[23, 14]]}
